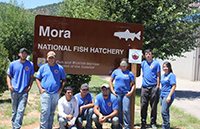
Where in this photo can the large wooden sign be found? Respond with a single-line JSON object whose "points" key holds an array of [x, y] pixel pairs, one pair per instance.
{"points": [[84, 46]]}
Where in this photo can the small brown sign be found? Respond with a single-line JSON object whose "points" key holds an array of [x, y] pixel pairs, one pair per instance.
{"points": [[84, 46]]}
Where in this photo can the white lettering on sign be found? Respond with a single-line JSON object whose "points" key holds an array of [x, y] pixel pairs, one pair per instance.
{"points": [[106, 50], [54, 47], [82, 49], [47, 32]]}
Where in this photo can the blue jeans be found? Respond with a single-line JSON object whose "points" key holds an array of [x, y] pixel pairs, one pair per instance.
{"points": [[63, 123], [165, 112], [19, 101], [124, 110], [114, 121], [48, 107], [87, 115]]}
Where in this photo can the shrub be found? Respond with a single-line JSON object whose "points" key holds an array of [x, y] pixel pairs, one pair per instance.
{"points": [[3, 68], [75, 81]]}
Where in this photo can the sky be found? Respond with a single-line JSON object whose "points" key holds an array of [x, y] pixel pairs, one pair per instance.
{"points": [[29, 4]]}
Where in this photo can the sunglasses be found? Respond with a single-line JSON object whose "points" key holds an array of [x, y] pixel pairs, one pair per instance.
{"points": [[85, 89], [123, 64], [105, 89]]}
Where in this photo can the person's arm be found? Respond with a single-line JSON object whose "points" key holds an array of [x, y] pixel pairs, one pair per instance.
{"points": [[111, 86], [97, 112], [38, 82], [132, 85], [62, 86], [111, 115], [171, 93], [75, 112], [158, 79], [8, 80], [89, 105], [30, 84]]}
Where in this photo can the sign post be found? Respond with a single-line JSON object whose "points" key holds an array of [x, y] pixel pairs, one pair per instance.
{"points": [[84, 46]]}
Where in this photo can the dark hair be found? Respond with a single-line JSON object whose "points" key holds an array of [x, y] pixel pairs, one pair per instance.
{"points": [[124, 59], [148, 51], [67, 88], [168, 66]]}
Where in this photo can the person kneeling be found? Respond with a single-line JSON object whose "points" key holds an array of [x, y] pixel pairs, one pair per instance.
{"points": [[68, 109], [108, 104]]}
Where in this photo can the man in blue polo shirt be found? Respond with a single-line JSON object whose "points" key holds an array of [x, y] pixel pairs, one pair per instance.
{"points": [[19, 80], [86, 104], [108, 104], [50, 80], [150, 88]]}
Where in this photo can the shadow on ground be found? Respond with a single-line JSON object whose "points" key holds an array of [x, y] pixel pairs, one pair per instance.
{"points": [[187, 94], [5, 101], [179, 94]]}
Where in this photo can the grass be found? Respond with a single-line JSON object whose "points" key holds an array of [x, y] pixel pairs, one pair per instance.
{"points": [[179, 119]]}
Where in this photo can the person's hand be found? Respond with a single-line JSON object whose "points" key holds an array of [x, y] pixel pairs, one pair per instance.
{"points": [[104, 119], [101, 117], [27, 89], [128, 94], [69, 117], [68, 125], [168, 99], [10, 88], [42, 91], [114, 93]]}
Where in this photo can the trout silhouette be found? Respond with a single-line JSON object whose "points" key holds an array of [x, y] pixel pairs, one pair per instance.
{"points": [[127, 35]]}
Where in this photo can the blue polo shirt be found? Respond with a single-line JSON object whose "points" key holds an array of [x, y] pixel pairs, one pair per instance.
{"points": [[106, 106], [166, 82], [51, 77], [84, 101], [20, 73], [122, 80], [150, 70]]}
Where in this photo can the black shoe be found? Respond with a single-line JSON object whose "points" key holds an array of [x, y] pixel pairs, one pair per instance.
{"points": [[143, 127], [153, 126]]}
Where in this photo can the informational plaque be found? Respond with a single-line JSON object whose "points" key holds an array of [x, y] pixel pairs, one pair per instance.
{"points": [[135, 56], [84, 46]]}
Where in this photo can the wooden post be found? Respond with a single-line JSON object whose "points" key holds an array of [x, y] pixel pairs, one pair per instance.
{"points": [[132, 106]]}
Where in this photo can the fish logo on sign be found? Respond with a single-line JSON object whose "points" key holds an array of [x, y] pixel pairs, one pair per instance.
{"points": [[128, 35], [41, 61]]}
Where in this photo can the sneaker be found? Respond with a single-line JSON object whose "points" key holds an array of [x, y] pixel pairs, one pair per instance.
{"points": [[153, 126]]}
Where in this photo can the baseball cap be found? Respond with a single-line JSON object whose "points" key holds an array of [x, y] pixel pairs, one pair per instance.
{"points": [[105, 85], [51, 54], [84, 86], [23, 49]]}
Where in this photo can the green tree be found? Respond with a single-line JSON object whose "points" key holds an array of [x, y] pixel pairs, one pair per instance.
{"points": [[76, 81], [3, 68], [165, 31], [16, 28]]}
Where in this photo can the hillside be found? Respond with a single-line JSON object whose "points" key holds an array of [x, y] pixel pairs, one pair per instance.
{"points": [[51, 9]]}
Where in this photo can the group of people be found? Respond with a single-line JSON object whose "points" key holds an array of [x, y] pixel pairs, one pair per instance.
{"points": [[111, 105]]}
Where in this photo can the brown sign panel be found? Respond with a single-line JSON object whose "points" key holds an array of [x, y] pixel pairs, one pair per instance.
{"points": [[84, 46]]}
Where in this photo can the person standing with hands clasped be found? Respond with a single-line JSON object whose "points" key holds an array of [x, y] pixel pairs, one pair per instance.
{"points": [[19, 80], [150, 88], [168, 82], [124, 88], [50, 80]]}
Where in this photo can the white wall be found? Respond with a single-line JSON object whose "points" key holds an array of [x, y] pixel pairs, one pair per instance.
{"points": [[182, 67]]}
